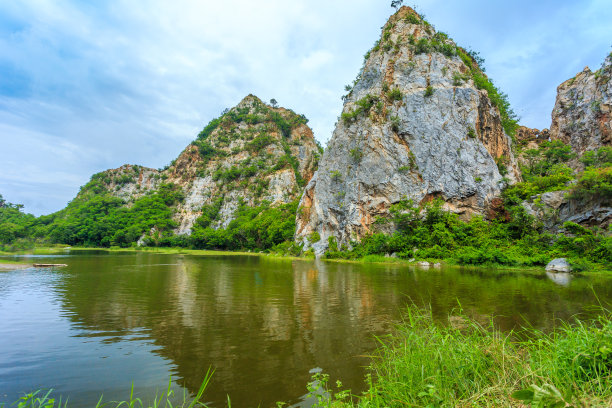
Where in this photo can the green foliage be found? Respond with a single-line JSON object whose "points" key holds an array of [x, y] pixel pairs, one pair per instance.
{"points": [[459, 79], [206, 150], [15, 226], [260, 142], [428, 91], [459, 362], [395, 123], [501, 166], [165, 399], [594, 182], [545, 170], [335, 176], [412, 19], [103, 220], [601, 157], [314, 237], [395, 94], [363, 106], [208, 129], [261, 227], [471, 133], [356, 154], [439, 234], [435, 44]]}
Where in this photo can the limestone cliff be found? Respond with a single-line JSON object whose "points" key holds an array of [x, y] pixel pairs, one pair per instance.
{"points": [[582, 116], [416, 125], [253, 152]]}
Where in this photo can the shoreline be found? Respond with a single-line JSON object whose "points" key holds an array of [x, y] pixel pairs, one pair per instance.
{"points": [[371, 259]]}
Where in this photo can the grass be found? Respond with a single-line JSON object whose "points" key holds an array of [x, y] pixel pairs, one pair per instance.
{"points": [[463, 363], [167, 399]]}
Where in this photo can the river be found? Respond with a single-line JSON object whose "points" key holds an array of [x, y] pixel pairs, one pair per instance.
{"points": [[112, 319]]}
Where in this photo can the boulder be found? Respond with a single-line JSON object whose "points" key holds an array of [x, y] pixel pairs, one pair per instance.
{"points": [[559, 265]]}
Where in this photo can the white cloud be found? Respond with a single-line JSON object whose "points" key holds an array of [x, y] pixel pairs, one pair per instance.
{"points": [[91, 85]]}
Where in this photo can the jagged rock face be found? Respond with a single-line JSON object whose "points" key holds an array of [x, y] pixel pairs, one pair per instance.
{"points": [[251, 161], [582, 116], [528, 138], [128, 182], [556, 207], [252, 153], [439, 136]]}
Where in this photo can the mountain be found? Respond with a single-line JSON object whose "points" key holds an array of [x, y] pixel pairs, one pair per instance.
{"points": [[254, 155], [421, 121], [581, 127], [582, 116]]}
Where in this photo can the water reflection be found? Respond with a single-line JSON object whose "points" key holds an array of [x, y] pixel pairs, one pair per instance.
{"points": [[560, 278], [264, 323]]}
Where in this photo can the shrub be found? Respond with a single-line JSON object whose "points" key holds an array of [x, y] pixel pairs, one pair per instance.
{"points": [[394, 95], [363, 106], [356, 154], [594, 182], [412, 19], [336, 176], [314, 237], [428, 91]]}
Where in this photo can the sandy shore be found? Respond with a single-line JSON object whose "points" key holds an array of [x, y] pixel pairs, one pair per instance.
{"points": [[13, 266]]}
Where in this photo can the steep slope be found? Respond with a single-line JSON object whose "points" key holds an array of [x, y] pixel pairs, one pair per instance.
{"points": [[421, 122], [582, 116], [252, 154]]}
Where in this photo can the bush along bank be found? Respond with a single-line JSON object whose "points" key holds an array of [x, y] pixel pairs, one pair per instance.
{"points": [[425, 364]]}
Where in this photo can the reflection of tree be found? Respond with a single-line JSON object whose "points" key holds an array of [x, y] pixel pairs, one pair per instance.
{"points": [[262, 323]]}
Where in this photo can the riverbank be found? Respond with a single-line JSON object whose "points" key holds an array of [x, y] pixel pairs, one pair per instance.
{"points": [[430, 263], [463, 363], [12, 265]]}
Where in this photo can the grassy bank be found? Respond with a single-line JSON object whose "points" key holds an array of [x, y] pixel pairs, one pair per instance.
{"points": [[457, 364], [463, 364]]}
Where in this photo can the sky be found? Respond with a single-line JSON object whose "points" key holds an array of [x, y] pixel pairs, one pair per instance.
{"points": [[89, 85]]}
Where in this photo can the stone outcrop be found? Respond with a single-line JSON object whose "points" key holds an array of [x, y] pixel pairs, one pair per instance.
{"points": [[251, 154], [414, 126], [128, 182], [582, 116], [528, 138], [556, 207]]}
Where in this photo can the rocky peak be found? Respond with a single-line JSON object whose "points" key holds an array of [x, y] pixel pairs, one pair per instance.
{"points": [[421, 121], [128, 182], [252, 153], [583, 108]]}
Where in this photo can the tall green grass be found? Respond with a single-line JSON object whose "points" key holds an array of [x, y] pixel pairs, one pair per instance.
{"points": [[466, 364], [165, 399]]}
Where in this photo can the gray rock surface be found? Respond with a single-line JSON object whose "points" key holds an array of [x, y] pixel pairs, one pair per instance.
{"points": [[559, 265], [583, 110], [443, 145], [556, 207]]}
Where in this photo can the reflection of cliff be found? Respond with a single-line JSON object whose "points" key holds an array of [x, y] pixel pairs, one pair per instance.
{"points": [[262, 324]]}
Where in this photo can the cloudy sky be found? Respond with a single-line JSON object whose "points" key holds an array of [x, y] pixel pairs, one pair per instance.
{"points": [[88, 85]]}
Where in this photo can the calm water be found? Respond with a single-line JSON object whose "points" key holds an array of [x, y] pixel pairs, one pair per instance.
{"points": [[108, 320]]}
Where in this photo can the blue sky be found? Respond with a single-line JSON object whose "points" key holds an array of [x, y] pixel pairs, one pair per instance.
{"points": [[87, 85]]}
